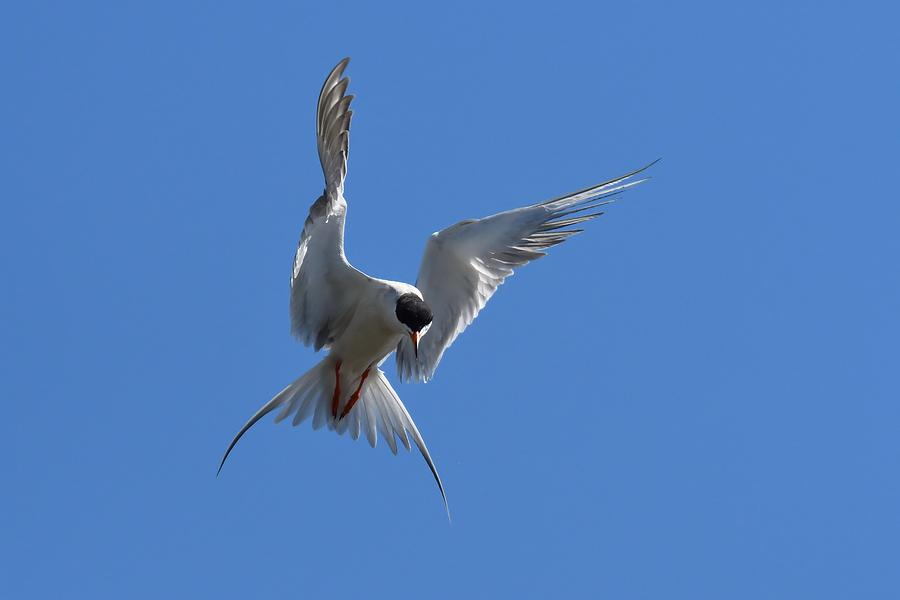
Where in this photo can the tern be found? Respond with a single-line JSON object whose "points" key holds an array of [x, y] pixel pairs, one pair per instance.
{"points": [[360, 320]]}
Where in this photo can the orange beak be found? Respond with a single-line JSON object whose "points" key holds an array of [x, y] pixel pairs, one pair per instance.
{"points": [[414, 336]]}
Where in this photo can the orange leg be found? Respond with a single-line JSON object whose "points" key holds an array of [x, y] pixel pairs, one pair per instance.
{"points": [[355, 395], [336, 398]]}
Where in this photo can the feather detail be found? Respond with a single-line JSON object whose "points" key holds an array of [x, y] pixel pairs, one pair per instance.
{"points": [[465, 263]]}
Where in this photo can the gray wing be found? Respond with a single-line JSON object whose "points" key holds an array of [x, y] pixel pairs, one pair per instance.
{"points": [[333, 116], [325, 287], [465, 264]]}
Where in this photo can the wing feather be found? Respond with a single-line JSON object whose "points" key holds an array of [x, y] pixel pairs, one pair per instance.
{"points": [[465, 264], [325, 287]]}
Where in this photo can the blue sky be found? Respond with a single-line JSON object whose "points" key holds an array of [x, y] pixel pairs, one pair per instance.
{"points": [[698, 398]]}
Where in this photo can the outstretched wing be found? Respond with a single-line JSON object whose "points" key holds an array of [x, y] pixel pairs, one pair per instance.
{"points": [[333, 116], [465, 264], [324, 286]]}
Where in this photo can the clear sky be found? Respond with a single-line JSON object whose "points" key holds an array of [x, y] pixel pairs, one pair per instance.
{"points": [[696, 399]]}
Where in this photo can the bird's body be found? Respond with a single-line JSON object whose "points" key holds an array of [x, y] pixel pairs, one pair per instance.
{"points": [[361, 320], [368, 339]]}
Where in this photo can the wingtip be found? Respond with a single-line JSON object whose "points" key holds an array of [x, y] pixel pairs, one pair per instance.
{"points": [[333, 77], [641, 170], [650, 164], [633, 173]]}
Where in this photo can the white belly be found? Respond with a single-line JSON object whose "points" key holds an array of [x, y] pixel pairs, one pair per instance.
{"points": [[365, 343]]}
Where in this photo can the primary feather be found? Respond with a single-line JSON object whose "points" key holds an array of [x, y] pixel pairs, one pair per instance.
{"points": [[465, 263]]}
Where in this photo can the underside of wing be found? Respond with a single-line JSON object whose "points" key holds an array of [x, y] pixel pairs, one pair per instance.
{"points": [[333, 116], [324, 286], [465, 264]]}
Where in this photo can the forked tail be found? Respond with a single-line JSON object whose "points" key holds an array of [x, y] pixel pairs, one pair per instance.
{"points": [[378, 409]]}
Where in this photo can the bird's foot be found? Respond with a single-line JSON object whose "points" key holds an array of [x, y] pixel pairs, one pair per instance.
{"points": [[355, 396]]}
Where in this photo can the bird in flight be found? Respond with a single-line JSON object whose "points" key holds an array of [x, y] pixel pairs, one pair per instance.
{"points": [[361, 319]]}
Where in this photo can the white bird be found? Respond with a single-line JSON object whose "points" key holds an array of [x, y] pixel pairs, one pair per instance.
{"points": [[361, 319]]}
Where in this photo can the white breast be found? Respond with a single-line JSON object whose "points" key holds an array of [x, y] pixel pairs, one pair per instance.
{"points": [[366, 341]]}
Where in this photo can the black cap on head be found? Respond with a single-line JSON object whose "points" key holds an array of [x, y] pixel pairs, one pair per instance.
{"points": [[413, 312]]}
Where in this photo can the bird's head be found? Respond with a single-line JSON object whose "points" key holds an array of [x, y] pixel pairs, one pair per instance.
{"points": [[415, 316]]}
